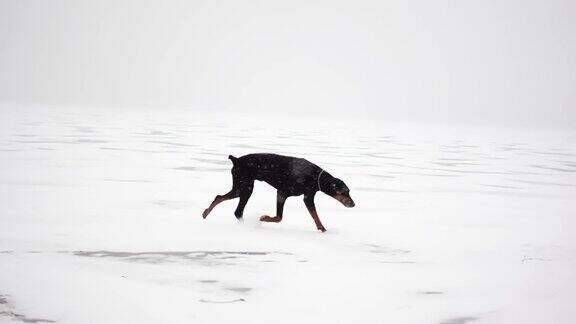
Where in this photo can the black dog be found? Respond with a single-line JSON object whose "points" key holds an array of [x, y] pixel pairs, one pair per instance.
{"points": [[289, 175]]}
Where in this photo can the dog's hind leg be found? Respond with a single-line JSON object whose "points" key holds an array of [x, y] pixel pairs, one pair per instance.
{"points": [[234, 193], [280, 199], [309, 201], [237, 183], [245, 193]]}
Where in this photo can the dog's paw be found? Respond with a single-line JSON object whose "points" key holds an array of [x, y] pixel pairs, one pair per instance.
{"points": [[275, 219], [322, 229], [205, 213]]}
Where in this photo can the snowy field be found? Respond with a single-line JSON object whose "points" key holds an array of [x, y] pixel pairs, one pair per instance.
{"points": [[100, 222]]}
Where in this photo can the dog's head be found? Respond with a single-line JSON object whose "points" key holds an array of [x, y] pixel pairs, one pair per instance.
{"points": [[338, 190]]}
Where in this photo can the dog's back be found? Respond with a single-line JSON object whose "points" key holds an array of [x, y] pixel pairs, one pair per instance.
{"points": [[283, 172]]}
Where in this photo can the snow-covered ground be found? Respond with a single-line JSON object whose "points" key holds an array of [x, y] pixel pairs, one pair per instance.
{"points": [[100, 222]]}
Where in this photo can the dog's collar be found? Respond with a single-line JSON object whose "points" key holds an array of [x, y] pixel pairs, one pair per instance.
{"points": [[319, 175]]}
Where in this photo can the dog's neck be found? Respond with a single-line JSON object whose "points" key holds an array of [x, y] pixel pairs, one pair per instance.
{"points": [[323, 180], [318, 180]]}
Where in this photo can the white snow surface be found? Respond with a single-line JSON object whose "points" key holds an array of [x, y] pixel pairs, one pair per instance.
{"points": [[100, 221]]}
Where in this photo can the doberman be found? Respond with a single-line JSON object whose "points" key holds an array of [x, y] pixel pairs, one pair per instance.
{"points": [[289, 175]]}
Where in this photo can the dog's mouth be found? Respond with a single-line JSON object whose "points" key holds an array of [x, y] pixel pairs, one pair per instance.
{"points": [[345, 200]]}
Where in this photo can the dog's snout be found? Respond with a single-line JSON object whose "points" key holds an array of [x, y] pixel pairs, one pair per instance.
{"points": [[345, 200], [348, 202]]}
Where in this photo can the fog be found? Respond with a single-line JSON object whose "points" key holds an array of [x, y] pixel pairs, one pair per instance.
{"points": [[452, 124], [487, 62]]}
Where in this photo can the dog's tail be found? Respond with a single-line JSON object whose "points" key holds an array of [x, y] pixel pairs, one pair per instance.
{"points": [[233, 159]]}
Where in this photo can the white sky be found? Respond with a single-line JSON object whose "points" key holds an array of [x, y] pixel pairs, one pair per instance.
{"points": [[474, 61]]}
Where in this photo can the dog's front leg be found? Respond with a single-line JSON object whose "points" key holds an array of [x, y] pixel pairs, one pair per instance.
{"points": [[309, 201], [280, 200]]}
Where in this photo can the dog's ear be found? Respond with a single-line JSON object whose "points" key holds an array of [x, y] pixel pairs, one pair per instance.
{"points": [[233, 159], [339, 186]]}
